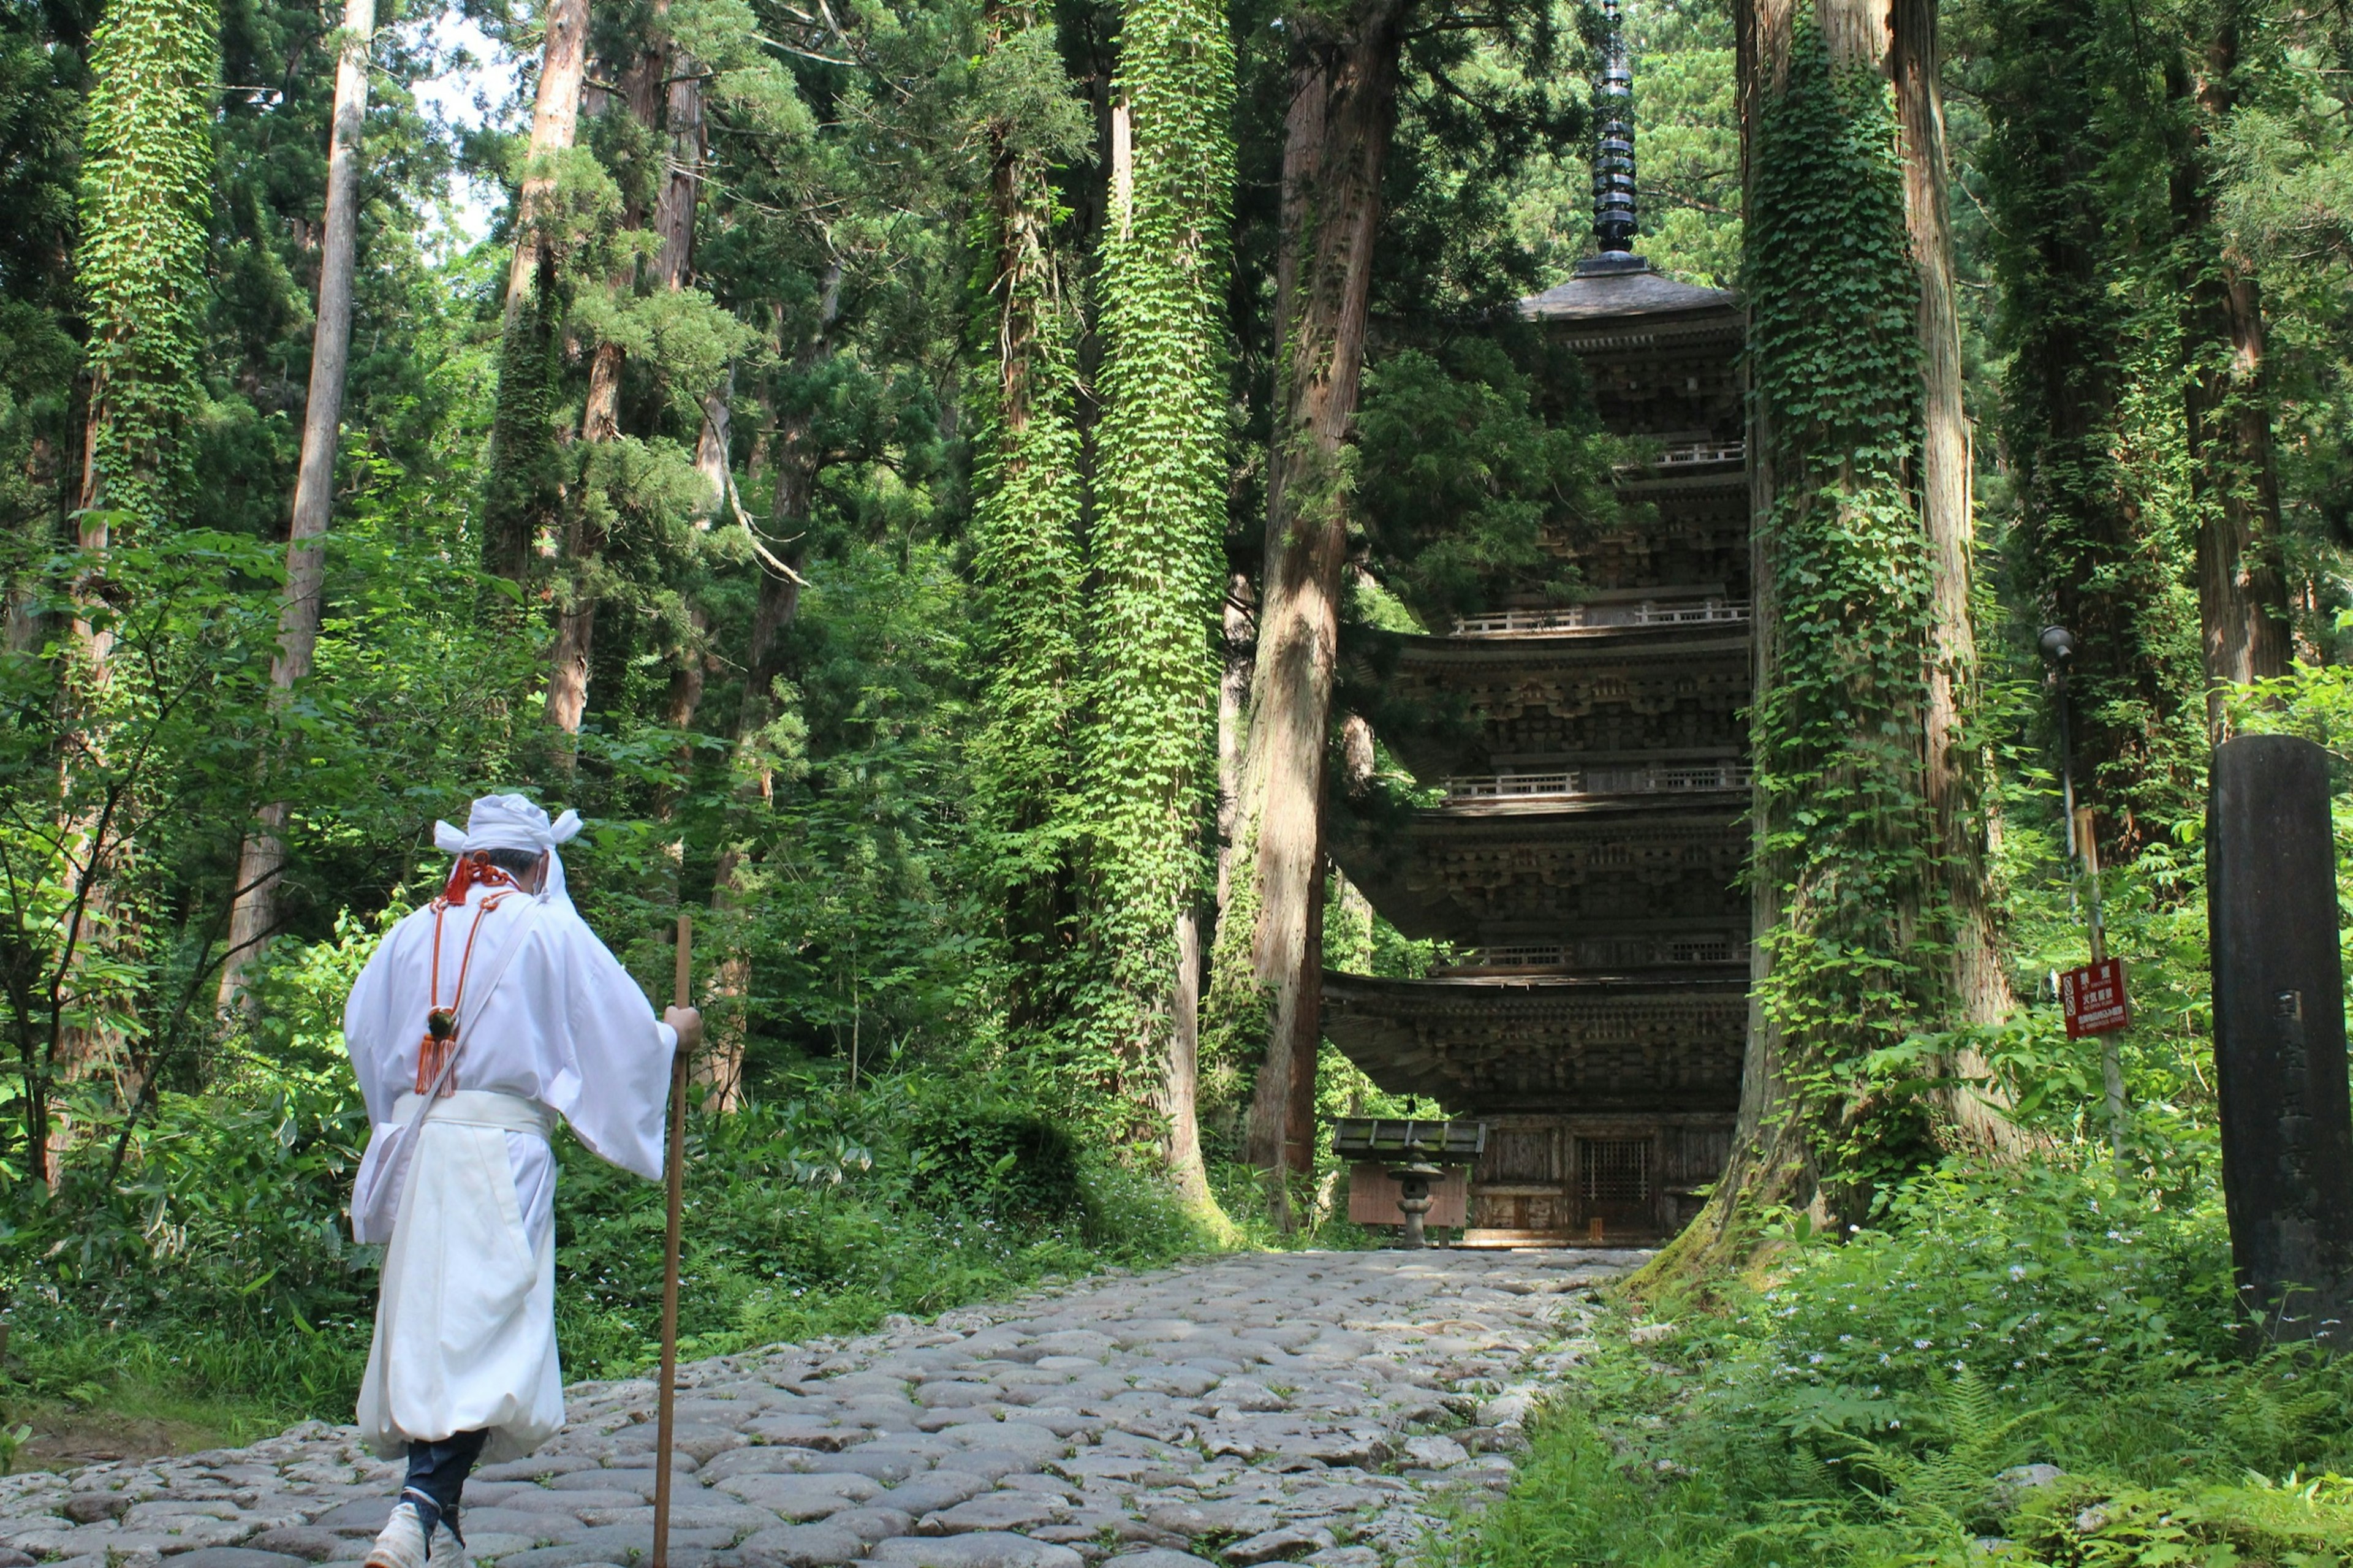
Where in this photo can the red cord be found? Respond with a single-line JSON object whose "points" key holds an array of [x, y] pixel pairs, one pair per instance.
{"points": [[471, 871], [432, 1054]]}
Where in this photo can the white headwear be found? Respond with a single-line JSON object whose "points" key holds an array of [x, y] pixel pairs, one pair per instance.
{"points": [[512, 822]]}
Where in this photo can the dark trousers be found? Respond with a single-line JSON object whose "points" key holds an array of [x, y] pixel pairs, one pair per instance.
{"points": [[436, 1478]]}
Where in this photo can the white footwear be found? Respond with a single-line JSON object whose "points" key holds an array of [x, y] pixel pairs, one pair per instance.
{"points": [[449, 1552], [402, 1542]]}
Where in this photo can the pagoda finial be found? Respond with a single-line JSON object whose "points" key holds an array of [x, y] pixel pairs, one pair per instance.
{"points": [[1613, 153]]}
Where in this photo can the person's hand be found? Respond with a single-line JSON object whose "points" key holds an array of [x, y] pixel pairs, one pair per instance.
{"points": [[688, 1022]]}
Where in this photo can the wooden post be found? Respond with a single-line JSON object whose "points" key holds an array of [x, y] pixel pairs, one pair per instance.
{"points": [[666, 1407], [2279, 1036]]}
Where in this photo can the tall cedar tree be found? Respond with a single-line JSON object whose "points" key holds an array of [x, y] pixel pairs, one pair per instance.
{"points": [[636, 95], [1955, 761], [1029, 565], [1844, 866], [1158, 575], [146, 196], [522, 501], [254, 916], [2097, 543], [2234, 477], [649, 85], [1270, 946], [146, 192]]}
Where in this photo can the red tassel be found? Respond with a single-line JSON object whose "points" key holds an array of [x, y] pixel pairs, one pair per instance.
{"points": [[431, 1056]]}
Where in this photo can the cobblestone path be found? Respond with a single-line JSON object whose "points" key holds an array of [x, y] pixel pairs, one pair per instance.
{"points": [[1330, 1409]]}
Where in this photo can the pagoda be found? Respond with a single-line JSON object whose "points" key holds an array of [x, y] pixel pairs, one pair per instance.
{"points": [[1586, 856]]}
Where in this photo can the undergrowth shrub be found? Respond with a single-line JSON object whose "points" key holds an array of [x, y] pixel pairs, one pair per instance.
{"points": [[1867, 1399], [1005, 1162]]}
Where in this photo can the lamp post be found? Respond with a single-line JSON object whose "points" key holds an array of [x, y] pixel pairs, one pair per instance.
{"points": [[2058, 648], [2058, 645]]}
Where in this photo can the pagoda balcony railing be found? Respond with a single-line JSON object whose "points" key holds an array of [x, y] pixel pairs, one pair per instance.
{"points": [[1688, 454], [1637, 778], [1594, 617], [1599, 953]]}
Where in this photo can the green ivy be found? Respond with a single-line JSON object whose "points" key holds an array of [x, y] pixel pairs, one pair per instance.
{"points": [[1153, 608], [146, 196], [1028, 564], [1846, 839]]}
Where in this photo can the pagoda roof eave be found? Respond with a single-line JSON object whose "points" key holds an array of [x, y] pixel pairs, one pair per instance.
{"points": [[1577, 866], [1568, 809], [1594, 645], [1447, 706], [1596, 299], [1622, 1043]]}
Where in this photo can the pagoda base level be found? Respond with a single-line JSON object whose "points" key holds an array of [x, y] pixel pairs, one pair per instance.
{"points": [[1594, 1180]]}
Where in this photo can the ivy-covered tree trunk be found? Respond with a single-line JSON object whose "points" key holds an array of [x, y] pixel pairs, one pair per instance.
{"points": [[2087, 329], [146, 196], [1844, 864], [254, 915], [1028, 559], [1267, 973], [2234, 484], [1957, 763], [524, 498], [1151, 678]]}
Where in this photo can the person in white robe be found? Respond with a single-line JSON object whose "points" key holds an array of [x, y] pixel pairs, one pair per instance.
{"points": [[463, 1366]]}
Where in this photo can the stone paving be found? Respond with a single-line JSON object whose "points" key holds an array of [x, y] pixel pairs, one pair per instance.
{"points": [[1258, 1410]]}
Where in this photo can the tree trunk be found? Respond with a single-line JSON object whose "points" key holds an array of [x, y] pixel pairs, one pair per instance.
{"points": [[524, 495], [1954, 770], [2080, 304], [554, 124], [576, 632], [682, 170], [1028, 564], [773, 613], [148, 163], [254, 915], [1770, 1164], [1336, 138], [2233, 482], [1180, 1084], [674, 217], [714, 449], [1240, 646], [1846, 587], [648, 92], [1147, 766]]}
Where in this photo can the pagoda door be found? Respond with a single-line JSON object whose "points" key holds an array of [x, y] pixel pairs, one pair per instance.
{"points": [[1617, 1186]]}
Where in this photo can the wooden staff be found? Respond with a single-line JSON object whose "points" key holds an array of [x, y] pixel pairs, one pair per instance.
{"points": [[666, 1418]]}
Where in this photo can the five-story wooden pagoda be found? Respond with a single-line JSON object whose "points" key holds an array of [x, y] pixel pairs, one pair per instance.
{"points": [[1588, 849]]}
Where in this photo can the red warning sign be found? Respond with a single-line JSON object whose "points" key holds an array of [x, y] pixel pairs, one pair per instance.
{"points": [[2093, 999]]}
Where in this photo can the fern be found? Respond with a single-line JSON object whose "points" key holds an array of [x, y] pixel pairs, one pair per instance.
{"points": [[1939, 1493]]}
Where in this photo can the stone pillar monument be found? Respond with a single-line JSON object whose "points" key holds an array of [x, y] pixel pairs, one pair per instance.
{"points": [[2279, 1036]]}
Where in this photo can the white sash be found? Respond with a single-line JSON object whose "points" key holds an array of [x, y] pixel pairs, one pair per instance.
{"points": [[483, 1107]]}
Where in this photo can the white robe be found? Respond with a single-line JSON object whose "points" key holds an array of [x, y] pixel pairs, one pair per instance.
{"points": [[465, 1327]]}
